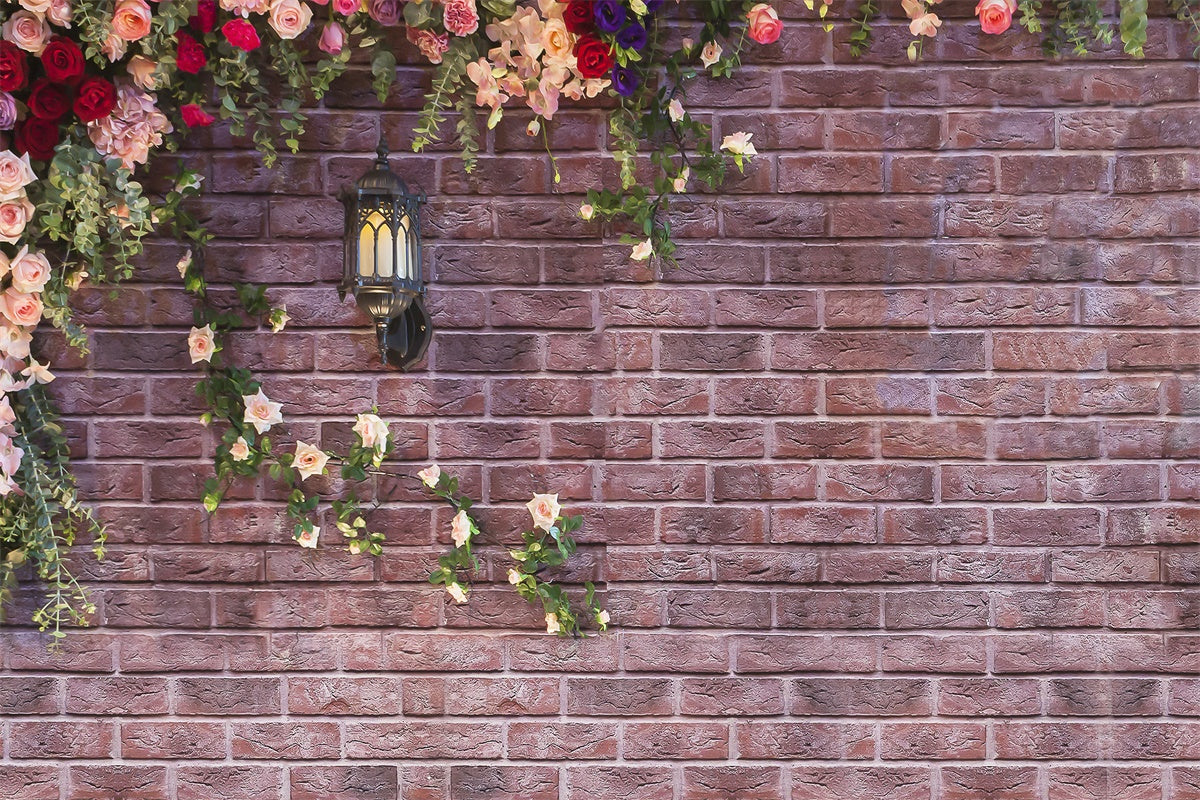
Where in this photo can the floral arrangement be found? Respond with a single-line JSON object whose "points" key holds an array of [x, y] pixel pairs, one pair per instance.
{"points": [[90, 90]]}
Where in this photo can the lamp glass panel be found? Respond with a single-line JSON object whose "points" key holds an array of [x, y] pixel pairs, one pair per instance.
{"points": [[376, 247]]}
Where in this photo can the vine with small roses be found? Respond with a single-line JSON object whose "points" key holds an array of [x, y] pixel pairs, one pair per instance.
{"points": [[91, 90]]}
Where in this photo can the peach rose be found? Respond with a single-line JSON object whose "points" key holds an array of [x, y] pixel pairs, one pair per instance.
{"points": [[30, 271], [289, 18], [995, 16], [642, 251], [28, 31], [711, 54], [131, 19], [557, 40], [201, 345], [544, 509], [460, 529], [36, 6], [21, 308], [310, 460], [141, 69], [261, 412], [552, 625], [430, 475], [240, 450], [762, 24], [114, 47], [15, 341], [925, 25], [15, 175], [14, 216]]}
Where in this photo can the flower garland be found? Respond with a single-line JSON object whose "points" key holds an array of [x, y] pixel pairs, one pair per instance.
{"points": [[91, 89]]}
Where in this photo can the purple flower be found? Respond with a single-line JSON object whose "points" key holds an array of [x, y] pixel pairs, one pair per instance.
{"points": [[632, 36], [8, 112], [385, 12], [625, 80], [609, 14]]}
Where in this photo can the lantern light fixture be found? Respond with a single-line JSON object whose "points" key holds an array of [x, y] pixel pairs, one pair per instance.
{"points": [[382, 269]]}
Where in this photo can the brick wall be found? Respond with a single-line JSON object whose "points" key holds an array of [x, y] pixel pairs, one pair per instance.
{"points": [[891, 482]]}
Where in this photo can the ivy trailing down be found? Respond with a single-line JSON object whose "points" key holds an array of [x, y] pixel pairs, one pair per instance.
{"points": [[90, 90]]}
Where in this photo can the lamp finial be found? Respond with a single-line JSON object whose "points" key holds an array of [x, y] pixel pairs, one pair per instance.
{"points": [[382, 150]]}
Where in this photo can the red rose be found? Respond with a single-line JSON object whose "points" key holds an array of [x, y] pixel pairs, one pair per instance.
{"points": [[206, 17], [189, 56], [195, 117], [13, 67], [594, 56], [48, 100], [241, 34], [578, 16], [63, 61], [38, 137], [95, 99]]}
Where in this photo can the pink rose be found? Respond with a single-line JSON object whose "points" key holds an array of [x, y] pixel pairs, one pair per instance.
{"points": [[333, 38], [385, 12], [346, 7], [15, 175], [30, 271], [240, 450], [995, 16], [261, 412], [21, 308], [290, 18], [28, 31], [460, 17], [60, 13], [14, 216], [131, 20], [141, 69], [763, 25]]}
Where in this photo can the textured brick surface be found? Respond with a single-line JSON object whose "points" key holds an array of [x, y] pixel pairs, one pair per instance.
{"points": [[890, 485]]}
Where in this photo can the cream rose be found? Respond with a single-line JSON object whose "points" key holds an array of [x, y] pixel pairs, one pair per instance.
{"points": [[289, 18], [36, 6], [131, 19], [21, 308], [310, 460], [28, 31], [430, 475], [739, 144], [14, 216], [514, 577], [460, 529], [372, 430], [30, 271], [457, 592], [544, 509], [552, 625], [308, 537], [261, 412], [711, 54], [201, 344], [15, 175], [642, 251], [240, 450]]}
